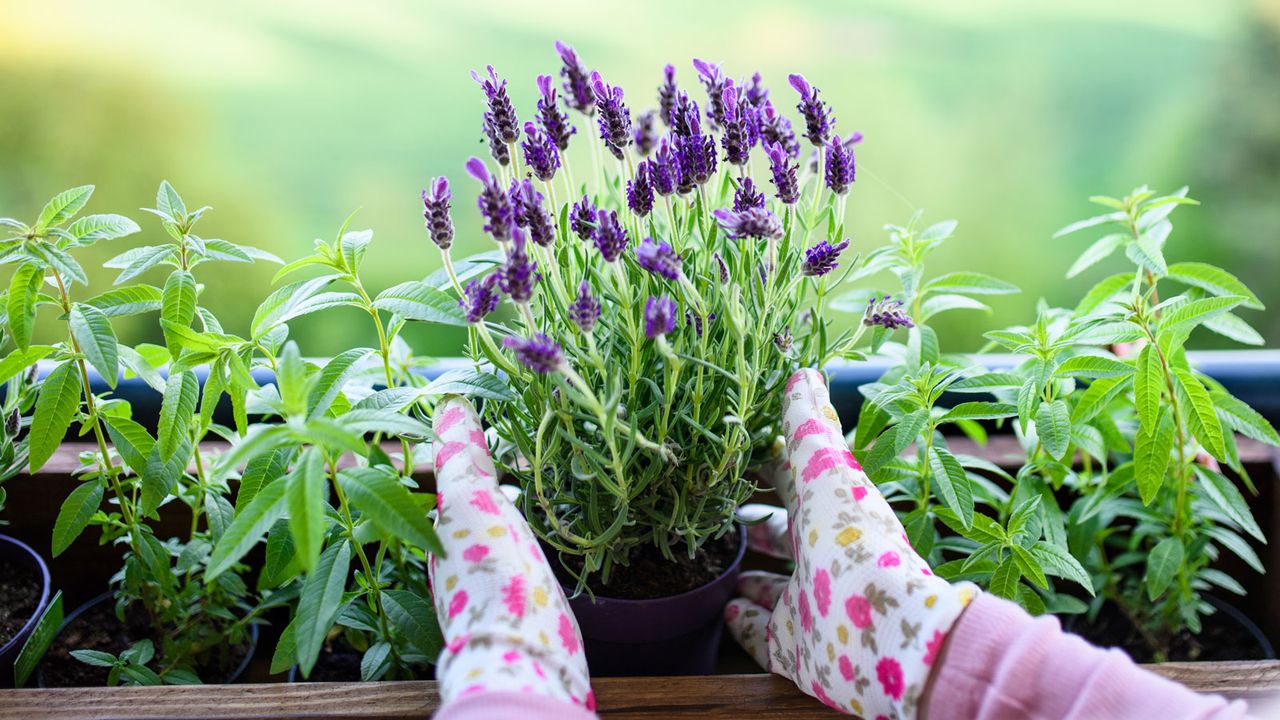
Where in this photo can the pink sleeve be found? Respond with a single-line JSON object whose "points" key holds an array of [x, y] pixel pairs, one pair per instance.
{"points": [[500, 705], [1001, 663]]}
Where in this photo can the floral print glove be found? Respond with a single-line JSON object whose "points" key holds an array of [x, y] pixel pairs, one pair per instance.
{"points": [[862, 619], [507, 626]]}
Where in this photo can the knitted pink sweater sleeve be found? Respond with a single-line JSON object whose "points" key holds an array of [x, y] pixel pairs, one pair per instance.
{"points": [[1002, 663], [498, 705]]}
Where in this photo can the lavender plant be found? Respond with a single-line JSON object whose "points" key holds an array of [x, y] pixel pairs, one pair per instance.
{"points": [[657, 312]]}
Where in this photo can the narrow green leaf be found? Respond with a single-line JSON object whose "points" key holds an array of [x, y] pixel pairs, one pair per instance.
{"points": [[19, 360], [63, 207], [38, 641], [169, 202], [177, 305], [260, 472], [92, 330], [1162, 565], [1214, 280], [951, 484], [181, 393], [56, 406], [1147, 254], [1102, 292], [131, 440], [1200, 413], [1151, 457], [1096, 253], [248, 527], [305, 494], [1148, 386], [1029, 566], [378, 494], [1056, 561], [92, 228], [415, 300], [1191, 314], [1093, 366], [75, 514], [415, 618], [1004, 581], [24, 290], [470, 382], [1053, 427], [970, 283], [333, 376], [127, 300], [319, 603], [980, 411], [1223, 493]]}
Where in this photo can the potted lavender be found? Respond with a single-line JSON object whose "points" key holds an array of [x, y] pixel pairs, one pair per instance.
{"points": [[658, 309]]}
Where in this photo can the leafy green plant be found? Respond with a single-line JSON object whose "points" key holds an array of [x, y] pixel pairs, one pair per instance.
{"points": [[321, 519], [197, 625]]}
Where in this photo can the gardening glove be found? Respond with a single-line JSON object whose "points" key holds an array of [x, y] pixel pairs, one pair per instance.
{"points": [[507, 626], [860, 622]]}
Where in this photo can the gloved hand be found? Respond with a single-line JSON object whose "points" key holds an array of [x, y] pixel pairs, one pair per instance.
{"points": [[507, 626], [861, 621]]}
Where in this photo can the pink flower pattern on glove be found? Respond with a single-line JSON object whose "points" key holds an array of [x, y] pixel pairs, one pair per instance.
{"points": [[504, 616], [860, 622]]}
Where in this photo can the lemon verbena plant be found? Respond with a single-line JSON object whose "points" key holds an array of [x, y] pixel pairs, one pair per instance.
{"points": [[658, 307]]}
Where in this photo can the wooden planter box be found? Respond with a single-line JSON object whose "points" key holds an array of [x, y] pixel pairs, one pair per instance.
{"points": [[83, 571]]}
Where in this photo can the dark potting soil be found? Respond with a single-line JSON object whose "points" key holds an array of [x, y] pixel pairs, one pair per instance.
{"points": [[651, 575], [19, 598], [98, 628], [1220, 638], [338, 662]]}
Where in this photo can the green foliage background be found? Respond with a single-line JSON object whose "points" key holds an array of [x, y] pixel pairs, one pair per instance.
{"points": [[287, 115]]}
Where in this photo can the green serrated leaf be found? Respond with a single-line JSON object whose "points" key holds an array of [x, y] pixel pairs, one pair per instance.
{"points": [[181, 393], [378, 494], [56, 406], [248, 527], [75, 514], [472, 383], [951, 484], [1151, 457], [415, 619], [305, 496], [177, 306], [1053, 427], [319, 603], [1201, 416], [63, 207], [415, 300], [92, 330], [1162, 566], [24, 291]]}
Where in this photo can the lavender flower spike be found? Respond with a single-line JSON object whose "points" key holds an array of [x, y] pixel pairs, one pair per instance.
{"points": [[502, 114], [817, 116], [554, 123], [609, 236], [664, 168], [736, 139], [435, 211], [577, 84], [776, 128], [530, 213], [540, 153], [840, 166], [784, 174], [756, 223], [747, 196], [713, 79], [582, 219], [494, 203], [821, 258], [584, 311], [481, 297], [667, 94], [539, 353], [659, 259], [886, 313], [659, 316], [615, 117], [645, 133], [519, 273], [640, 191]]}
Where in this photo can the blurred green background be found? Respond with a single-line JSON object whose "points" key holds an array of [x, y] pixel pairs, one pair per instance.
{"points": [[287, 115]]}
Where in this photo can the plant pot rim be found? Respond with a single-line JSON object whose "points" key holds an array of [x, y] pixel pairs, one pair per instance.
{"points": [[45, 586], [92, 602], [732, 568]]}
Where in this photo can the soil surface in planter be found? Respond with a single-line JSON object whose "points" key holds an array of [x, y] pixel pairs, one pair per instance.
{"points": [[98, 628], [651, 575], [338, 662], [1220, 638], [19, 596]]}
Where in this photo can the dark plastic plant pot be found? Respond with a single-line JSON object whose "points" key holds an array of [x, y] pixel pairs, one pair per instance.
{"points": [[19, 553], [1227, 612], [675, 635], [232, 677]]}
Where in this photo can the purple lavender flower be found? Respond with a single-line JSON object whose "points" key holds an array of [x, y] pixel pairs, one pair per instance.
{"points": [[609, 236], [714, 81], [519, 273], [747, 196], [775, 129], [782, 340], [494, 203], [498, 149], [645, 134], [697, 160], [685, 118], [750, 223], [584, 311], [886, 313], [667, 94], [540, 153], [724, 269], [695, 321], [530, 213], [736, 140], [659, 316], [659, 259], [554, 123], [502, 114], [539, 353], [577, 85], [664, 168], [615, 117], [582, 219], [784, 174], [853, 139], [756, 93], [840, 166], [817, 116], [640, 191], [821, 258], [481, 297], [435, 211]]}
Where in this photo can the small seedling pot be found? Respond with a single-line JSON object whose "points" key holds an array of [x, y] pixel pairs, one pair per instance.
{"points": [[106, 597], [20, 554], [674, 635]]}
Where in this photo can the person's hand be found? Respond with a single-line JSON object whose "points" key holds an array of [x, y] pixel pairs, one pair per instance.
{"points": [[861, 621], [507, 626]]}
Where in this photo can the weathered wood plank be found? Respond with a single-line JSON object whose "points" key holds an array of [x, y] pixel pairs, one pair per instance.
{"points": [[717, 696]]}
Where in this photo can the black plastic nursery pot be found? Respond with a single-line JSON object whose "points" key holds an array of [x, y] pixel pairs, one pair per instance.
{"points": [[673, 635], [24, 594], [233, 676]]}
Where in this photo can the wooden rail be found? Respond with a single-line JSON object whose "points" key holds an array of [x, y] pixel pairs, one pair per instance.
{"points": [[731, 697]]}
